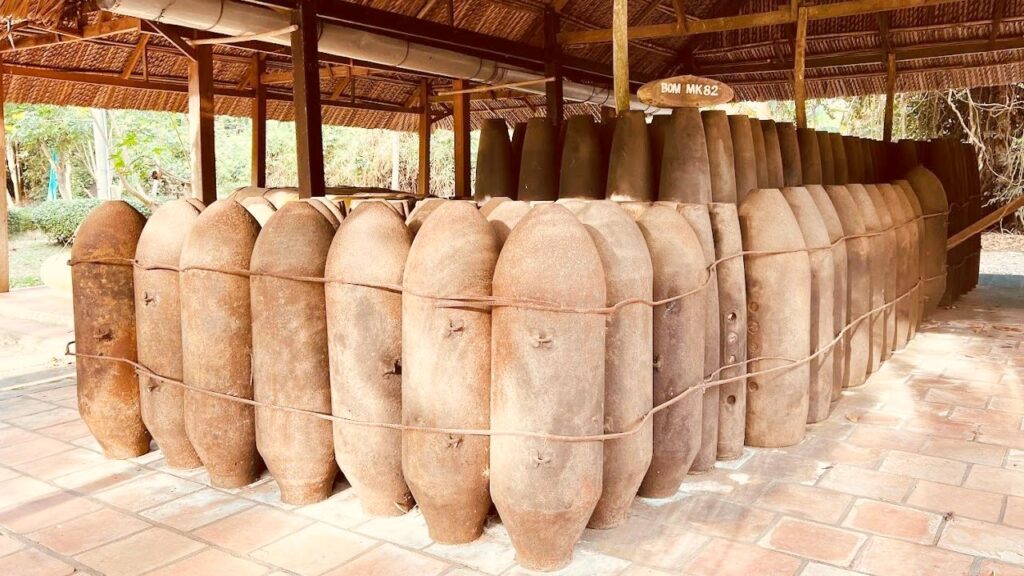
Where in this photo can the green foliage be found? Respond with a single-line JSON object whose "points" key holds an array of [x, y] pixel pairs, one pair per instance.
{"points": [[18, 220], [60, 219]]}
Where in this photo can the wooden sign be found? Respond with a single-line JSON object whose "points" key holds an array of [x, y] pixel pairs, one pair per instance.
{"points": [[684, 91]]}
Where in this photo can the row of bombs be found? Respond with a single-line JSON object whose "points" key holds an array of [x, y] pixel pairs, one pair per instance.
{"points": [[397, 328], [591, 160]]}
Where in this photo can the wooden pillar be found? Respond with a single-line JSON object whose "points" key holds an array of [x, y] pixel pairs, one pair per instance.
{"points": [[259, 124], [553, 66], [423, 180], [620, 55], [200, 122], [800, 47], [890, 96], [5, 265], [460, 117], [306, 95]]}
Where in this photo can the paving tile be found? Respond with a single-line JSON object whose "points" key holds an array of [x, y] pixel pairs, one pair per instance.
{"points": [[87, 531], [924, 467], [732, 485], [816, 569], [342, 509], [197, 509], [62, 393], [21, 406], [814, 541], [886, 557], [965, 451], [646, 542], [979, 538], [869, 417], [22, 489], [46, 510], [633, 570], [957, 397], [943, 498], [708, 515], [893, 521], [45, 418], [1015, 460], [67, 462], [838, 452], [809, 502], [998, 480], [1014, 515], [885, 439], [252, 528], [8, 545], [491, 553], [986, 417], [932, 426], [67, 432], [996, 568], [212, 562], [100, 477], [8, 473], [726, 558], [409, 529], [1009, 437], [868, 483], [33, 449], [140, 552], [784, 467], [390, 560], [147, 491], [584, 563], [1013, 404], [30, 562]]}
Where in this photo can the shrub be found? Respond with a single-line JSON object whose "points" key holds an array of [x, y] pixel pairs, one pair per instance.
{"points": [[18, 220], [59, 219]]}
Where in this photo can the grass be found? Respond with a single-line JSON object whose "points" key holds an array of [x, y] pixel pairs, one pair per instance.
{"points": [[28, 251]]}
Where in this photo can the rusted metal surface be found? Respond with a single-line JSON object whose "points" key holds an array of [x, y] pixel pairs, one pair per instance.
{"points": [[760, 153], [538, 166], [685, 174], [840, 294], [584, 167], [789, 148], [858, 282], [773, 154], [721, 158], [630, 173], [877, 261], [890, 243], [495, 171], [932, 196], [504, 216], [744, 155]]}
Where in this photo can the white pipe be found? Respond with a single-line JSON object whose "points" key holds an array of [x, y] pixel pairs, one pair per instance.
{"points": [[236, 18]]}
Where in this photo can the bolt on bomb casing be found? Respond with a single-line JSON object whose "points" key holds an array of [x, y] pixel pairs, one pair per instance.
{"points": [[721, 162], [628, 371], [760, 154], [583, 164], [904, 189], [289, 339], [816, 237], [538, 166], [744, 155], [773, 154], [446, 371], [840, 293], [879, 266], [364, 331], [841, 166], [630, 174], [889, 239], [216, 329], [778, 319], [104, 308], [495, 171], [158, 328], [546, 490], [932, 197], [732, 306], [678, 259], [685, 176], [859, 288], [789, 149]]}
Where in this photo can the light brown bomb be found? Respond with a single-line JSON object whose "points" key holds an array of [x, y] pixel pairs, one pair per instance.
{"points": [[913, 208], [867, 153], [332, 208], [902, 272], [504, 217], [828, 153], [104, 309], [840, 293], [778, 317], [289, 338], [841, 168], [772, 154], [629, 160], [721, 163], [260, 208], [656, 131], [789, 148], [889, 247], [810, 156], [538, 166], [685, 176], [583, 165], [760, 154], [821, 370], [424, 208], [858, 282], [216, 330], [518, 137], [855, 173], [628, 373], [877, 261], [281, 196], [446, 371], [364, 331], [744, 155], [699, 219], [732, 309], [545, 490], [495, 170], [934, 206], [679, 273], [905, 158], [158, 327]]}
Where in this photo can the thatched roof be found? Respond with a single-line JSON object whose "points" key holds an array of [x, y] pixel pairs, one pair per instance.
{"points": [[958, 44]]}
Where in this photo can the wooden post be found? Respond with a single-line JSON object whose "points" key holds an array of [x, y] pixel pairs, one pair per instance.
{"points": [[553, 66], [259, 124], [306, 95], [5, 266], [460, 117], [200, 122], [800, 47], [890, 96], [620, 54], [423, 180]]}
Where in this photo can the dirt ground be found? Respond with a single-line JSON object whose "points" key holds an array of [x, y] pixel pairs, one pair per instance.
{"points": [[1002, 254]]}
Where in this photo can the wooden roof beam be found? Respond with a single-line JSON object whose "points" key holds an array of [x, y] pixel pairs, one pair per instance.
{"points": [[998, 13], [173, 35], [136, 54], [97, 30]]}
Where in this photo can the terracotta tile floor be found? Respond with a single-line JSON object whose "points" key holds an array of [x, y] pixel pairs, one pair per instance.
{"points": [[921, 471]]}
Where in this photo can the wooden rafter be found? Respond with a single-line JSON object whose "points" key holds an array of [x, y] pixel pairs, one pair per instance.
{"points": [[998, 13], [97, 30], [173, 35], [137, 53]]}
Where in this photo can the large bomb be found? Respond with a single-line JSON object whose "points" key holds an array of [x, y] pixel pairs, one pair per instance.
{"points": [[583, 164], [684, 164], [778, 319], [721, 162], [828, 152], [789, 148], [888, 255], [772, 154], [934, 208], [364, 330], [858, 286], [629, 160], [878, 262], [538, 165], [216, 332], [446, 375], [810, 156], [841, 170], [158, 327], [917, 239], [496, 174], [744, 155], [902, 304], [504, 216], [104, 305], [289, 338], [840, 294], [760, 154], [679, 274], [545, 489]]}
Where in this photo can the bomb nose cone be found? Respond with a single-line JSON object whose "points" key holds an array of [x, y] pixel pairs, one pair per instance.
{"points": [[582, 173], [629, 160], [538, 166], [495, 171]]}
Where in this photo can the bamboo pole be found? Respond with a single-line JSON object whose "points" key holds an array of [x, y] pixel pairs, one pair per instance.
{"points": [[423, 179], [890, 96], [620, 54], [5, 265], [799, 49], [983, 224]]}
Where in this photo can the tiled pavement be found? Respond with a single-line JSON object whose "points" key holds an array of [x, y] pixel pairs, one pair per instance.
{"points": [[921, 471]]}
